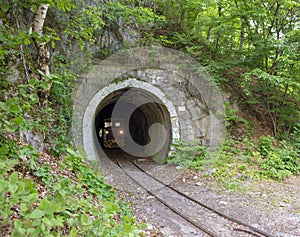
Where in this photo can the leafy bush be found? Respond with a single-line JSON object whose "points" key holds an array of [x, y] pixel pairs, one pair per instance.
{"points": [[64, 211], [93, 182], [240, 160], [83, 205], [39, 199], [278, 161], [187, 155]]}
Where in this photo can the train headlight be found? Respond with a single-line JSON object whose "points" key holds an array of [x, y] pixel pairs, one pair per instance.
{"points": [[106, 132], [121, 131]]}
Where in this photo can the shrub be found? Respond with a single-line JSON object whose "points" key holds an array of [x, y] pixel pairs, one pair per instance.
{"points": [[279, 161]]}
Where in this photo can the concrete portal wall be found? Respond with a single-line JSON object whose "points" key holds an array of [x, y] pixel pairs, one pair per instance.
{"points": [[190, 112], [196, 108]]}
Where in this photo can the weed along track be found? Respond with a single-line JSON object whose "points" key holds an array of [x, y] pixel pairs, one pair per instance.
{"points": [[204, 218]]}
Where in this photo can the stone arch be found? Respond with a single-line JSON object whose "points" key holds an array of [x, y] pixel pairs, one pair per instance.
{"points": [[98, 102], [178, 80]]}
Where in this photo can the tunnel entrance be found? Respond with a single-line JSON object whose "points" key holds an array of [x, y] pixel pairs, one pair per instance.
{"points": [[132, 113], [192, 109]]}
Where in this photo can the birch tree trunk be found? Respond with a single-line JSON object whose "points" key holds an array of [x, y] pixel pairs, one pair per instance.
{"points": [[42, 48], [43, 51]]}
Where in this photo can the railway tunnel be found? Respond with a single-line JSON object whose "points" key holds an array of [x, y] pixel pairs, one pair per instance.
{"points": [[158, 95], [153, 111]]}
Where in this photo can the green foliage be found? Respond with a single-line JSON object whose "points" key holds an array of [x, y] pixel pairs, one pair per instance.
{"points": [[261, 39], [60, 99], [64, 210], [80, 206], [187, 155], [239, 161], [83, 28], [294, 139], [8, 155], [83, 205], [279, 161], [232, 118], [278, 94], [94, 183], [10, 42]]}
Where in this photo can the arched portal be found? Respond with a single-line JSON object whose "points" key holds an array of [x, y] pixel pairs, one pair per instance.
{"points": [[180, 97], [149, 105]]}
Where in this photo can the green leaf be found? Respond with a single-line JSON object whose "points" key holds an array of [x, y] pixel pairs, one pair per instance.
{"points": [[84, 219], [4, 7], [4, 150], [13, 178], [33, 8], [41, 72], [22, 34], [21, 187], [15, 108], [17, 224], [36, 222], [73, 232], [45, 85], [33, 82], [26, 106], [18, 120], [44, 204], [23, 92], [57, 222], [30, 198], [36, 214], [27, 41], [71, 151], [47, 221], [34, 98], [23, 207], [18, 230], [3, 186], [12, 188]]}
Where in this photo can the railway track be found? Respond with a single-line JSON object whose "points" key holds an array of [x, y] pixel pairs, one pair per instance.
{"points": [[205, 218]]}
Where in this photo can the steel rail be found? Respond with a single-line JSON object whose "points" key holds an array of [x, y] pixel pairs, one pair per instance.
{"points": [[261, 232], [167, 205]]}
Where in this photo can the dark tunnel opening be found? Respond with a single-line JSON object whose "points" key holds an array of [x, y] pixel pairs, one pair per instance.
{"points": [[142, 118]]}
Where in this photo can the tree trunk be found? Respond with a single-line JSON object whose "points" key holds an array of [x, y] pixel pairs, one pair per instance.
{"points": [[242, 35], [43, 51], [42, 48]]}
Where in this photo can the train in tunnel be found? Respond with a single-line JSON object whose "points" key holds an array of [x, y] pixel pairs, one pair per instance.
{"points": [[112, 134]]}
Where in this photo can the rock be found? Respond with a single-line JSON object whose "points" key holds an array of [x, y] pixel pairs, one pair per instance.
{"points": [[210, 172], [34, 139], [198, 184], [223, 203], [150, 197], [149, 227], [13, 76], [109, 179], [165, 232], [239, 176]]}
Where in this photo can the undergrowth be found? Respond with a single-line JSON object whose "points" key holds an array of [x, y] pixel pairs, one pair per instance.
{"points": [[245, 160], [76, 204], [58, 195]]}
